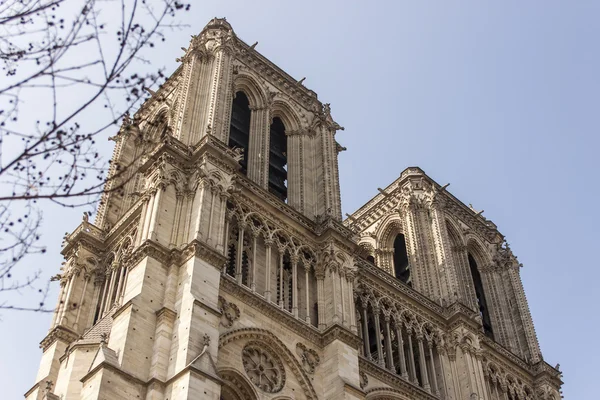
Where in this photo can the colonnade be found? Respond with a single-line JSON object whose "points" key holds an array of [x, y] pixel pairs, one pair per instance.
{"points": [[270, 267], [405, 350]]}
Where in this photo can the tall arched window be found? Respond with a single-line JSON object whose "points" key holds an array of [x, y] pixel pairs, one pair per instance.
{"points": [[401, 267], [239, 131], [483, 310], [278, 159]]}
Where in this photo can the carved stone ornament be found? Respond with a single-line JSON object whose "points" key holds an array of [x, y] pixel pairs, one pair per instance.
{"points": [[364, 380], [310, 359], [264, 368], [230, 312]]}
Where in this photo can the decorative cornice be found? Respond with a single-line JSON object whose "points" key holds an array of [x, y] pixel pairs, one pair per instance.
{"points": [[338, 332], [203, 251], [58, 333]]}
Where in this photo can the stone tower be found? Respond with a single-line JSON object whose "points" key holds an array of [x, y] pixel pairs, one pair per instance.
{"points": [[221, 268]]}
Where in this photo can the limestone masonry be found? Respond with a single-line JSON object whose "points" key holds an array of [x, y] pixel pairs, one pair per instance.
{"points": [[219, 267]]}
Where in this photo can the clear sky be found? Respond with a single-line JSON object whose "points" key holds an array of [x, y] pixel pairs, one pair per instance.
{"points": [[501, 99]]}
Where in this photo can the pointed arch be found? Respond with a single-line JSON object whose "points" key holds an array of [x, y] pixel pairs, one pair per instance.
{"points": [[477, 259], [387, 231], [236, 386], [283, 110], [385, 393], [247, 83], [273, 343]]}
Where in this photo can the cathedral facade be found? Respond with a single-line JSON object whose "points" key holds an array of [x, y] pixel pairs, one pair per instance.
{"points": [[219, 265]]}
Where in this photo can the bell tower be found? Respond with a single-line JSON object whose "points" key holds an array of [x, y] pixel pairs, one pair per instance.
{"points": [[226, 179]]}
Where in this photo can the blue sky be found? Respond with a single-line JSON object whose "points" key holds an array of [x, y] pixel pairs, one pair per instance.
{"points": [[500, 99]]}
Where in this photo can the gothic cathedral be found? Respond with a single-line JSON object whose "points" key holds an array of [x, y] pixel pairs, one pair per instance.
{"points": [[219, 266]]}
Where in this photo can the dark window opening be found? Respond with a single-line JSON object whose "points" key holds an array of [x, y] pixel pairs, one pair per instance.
{"points": [[483, 310], [371, 259], [278, 160], [372, 338], [401, 266], [239, 131]]}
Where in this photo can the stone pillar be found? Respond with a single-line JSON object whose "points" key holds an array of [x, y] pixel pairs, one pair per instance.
{"points": [[423, 364], [320, 274], [388, 344], [401, 355], [380, 359], [411, 359], [366, 331], [268, 246], [294, 259]]}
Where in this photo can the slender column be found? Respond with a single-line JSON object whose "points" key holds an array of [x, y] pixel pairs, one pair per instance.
{"points": [[155, 209], [202, 187], [176, 219], [253, 282], [67, 298], [95, 299], [343, 290], [226, 235], [423, 365], [336, 317], [240, 254], [401, 352], [268, 245], [366, 332], [146, 220], [388, 345], [411, 356], [113, 278], [120, 284], [61, 296], [295, 285], [307, 292], [185, 236], [86, 278], [104, 294], [321, 299], [211, 216], [380, 359], [433, 374], [222, 209], [122, 292], [281, 278], [351, 306]]}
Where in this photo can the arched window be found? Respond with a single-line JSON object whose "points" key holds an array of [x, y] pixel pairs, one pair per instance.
{"points": [[239, 131], [483, 310], [278, 159], [401, 267]]}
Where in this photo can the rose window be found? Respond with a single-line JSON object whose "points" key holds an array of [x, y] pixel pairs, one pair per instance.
{"points": [[264, 369]]}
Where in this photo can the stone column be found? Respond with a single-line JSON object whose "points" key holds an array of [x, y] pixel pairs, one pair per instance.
{"points": [[240, 253], [380, 359], [281, 294], [155, 214], [401, 355], [294, 259], [423, 364], [268, 246], [320, 274], [411, 359], [388, 344], [307, 291], [434, 382], [365, 326], [253, 284]]}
